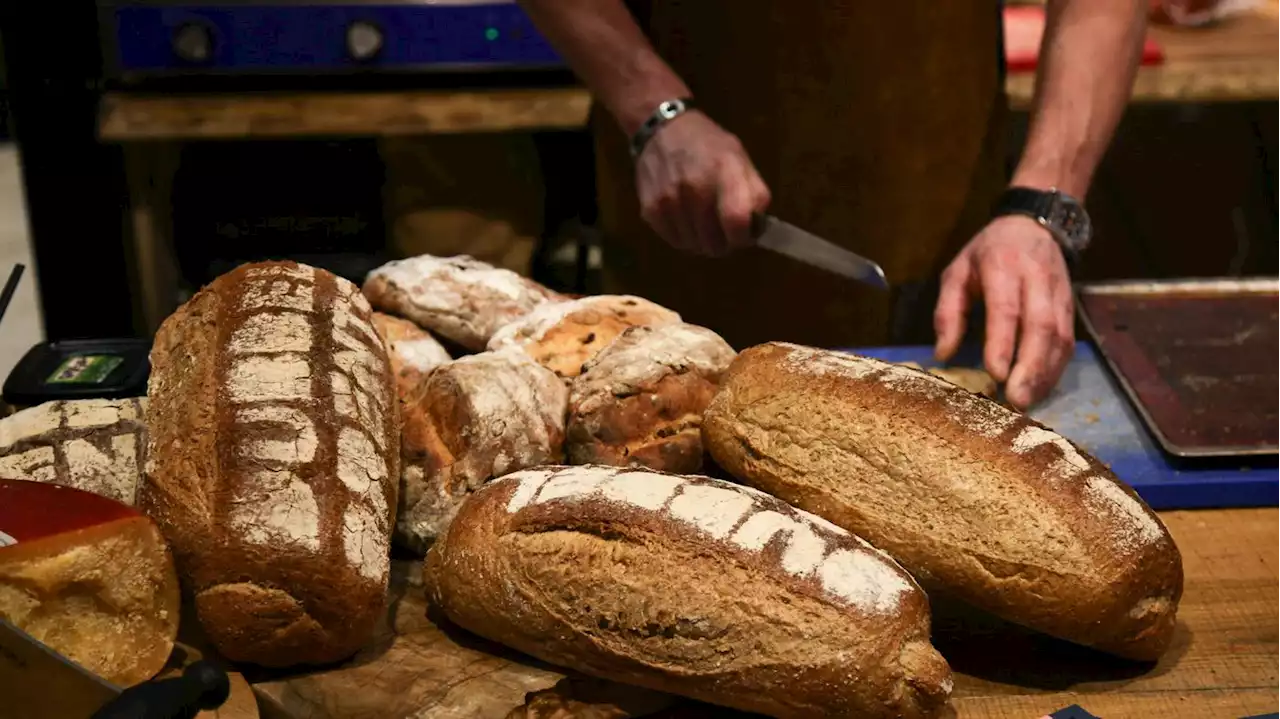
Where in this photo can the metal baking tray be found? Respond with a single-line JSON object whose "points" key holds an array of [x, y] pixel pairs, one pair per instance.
{"points": [[1197, 358]]}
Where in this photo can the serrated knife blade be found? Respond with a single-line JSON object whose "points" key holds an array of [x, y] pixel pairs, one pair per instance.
{"points": [[791, 241]]}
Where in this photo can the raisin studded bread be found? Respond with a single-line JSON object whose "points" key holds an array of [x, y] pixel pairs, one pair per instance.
{"points": [[640, 401], [969, 496], [273, 462], [565, 335], [473, 419], [413, 351], [458, 298], [692, 586], [96, 445]]}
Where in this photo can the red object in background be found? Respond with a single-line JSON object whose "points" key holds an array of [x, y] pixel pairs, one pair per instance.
{"points": [[1023, 28]]}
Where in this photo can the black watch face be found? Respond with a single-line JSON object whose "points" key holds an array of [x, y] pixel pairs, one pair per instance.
{"points": [[1072, 221]]}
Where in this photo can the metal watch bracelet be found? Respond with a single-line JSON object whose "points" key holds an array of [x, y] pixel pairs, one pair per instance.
{"points": [[667, 111]]}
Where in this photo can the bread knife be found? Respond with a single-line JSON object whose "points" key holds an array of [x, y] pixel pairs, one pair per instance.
{"points": [[40, 683], [791, 241]]}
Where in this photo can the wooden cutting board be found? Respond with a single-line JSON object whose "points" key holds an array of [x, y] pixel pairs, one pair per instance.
{"points": [[419, 666]]}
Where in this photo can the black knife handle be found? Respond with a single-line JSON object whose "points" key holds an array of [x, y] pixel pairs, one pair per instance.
{"points": [[201, 686]]}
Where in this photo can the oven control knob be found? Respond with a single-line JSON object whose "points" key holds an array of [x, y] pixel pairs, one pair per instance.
{"points": [[364, 40], [193, 43]]}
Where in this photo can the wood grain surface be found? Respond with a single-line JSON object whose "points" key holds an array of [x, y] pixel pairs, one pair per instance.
{"points": [[125, 116], [1222, 664], [1234, 60]]}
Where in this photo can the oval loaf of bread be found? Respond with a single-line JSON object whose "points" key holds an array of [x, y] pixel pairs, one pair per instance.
{"points": [[95, 445], [473, 419], [458, 298], [563, 336], [971, 497], [640, 401], [273, 462], [692, 586]]}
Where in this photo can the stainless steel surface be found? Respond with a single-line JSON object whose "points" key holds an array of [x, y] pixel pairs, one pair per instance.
{"points": [[38, 683], [1165, 288], [786, 239]]}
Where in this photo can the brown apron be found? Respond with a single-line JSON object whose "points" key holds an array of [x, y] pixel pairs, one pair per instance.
{"points": [[877, 125]]}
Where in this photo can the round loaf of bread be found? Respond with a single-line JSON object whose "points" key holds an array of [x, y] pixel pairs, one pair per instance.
{"points": [[412, 350], [692, 586], [563, 336], [273, 462], [459, 298], [473, 419], [971, 497], [640, 401]]}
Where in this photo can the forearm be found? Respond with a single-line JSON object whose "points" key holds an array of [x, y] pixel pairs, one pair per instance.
{"points": [[606, 48], [1088, 60]]}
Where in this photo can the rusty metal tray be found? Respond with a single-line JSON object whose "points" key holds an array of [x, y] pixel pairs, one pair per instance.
{"points": [[1197, 358]]}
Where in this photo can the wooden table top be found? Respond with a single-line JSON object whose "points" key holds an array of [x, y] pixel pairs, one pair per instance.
{"points": [[1222, 664], [1233, 61]]}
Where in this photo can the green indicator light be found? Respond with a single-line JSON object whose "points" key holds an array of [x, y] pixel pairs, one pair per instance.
{"points": [[491, 34]]}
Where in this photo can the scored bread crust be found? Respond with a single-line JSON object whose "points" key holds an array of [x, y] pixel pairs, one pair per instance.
{"points": [[459, 298], [640, 401], [969, 496], [273, 462], [692, 586], [473, 419], [95, 445]]}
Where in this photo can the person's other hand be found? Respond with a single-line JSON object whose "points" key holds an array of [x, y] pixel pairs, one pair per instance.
{"points": [[698, 189], [1018, 271]]}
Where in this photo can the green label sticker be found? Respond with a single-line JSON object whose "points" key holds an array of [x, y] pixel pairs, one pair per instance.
{"points": [[85, 369]]}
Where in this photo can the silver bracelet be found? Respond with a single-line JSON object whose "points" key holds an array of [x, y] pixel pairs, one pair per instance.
{"points": [[666, 112]]}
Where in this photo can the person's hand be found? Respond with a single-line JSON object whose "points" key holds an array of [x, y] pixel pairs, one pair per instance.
{"points": [[698, 189], [1018, 271]]}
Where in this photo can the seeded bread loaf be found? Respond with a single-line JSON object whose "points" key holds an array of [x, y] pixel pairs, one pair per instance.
{"points": [[412, 350], [95, 445], [692, 586], [473, 419], [273, 462], [563, 336], [968, 495], [459, 298], [640, 401]]}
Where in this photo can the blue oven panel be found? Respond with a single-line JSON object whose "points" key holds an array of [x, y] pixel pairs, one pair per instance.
{"points": [[299, 38]]}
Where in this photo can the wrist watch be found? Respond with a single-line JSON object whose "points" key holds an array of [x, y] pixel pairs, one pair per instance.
{"points": [[1059, 213]]}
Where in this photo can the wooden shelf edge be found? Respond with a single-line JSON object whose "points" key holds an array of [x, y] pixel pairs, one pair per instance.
{"points": [[126, 117]]}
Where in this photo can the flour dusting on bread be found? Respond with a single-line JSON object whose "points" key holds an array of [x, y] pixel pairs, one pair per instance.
{"points": [[1138, 528], [863, 577]]}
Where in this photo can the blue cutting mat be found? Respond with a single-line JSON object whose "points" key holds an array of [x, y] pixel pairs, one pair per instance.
{"points": [[1090, 409]]}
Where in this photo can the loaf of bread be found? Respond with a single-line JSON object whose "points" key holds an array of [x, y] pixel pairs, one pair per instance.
{"points": [[413, 351], [473, 419], [273, 462], [96, 445], [692, 586], [969, 496], [89, 577], [640, 401], [459, 298], [563, 336]]}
